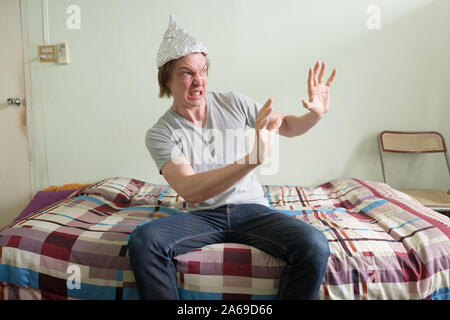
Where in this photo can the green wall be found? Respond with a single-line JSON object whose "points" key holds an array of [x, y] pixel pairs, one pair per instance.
{"points": [[89, 118]]}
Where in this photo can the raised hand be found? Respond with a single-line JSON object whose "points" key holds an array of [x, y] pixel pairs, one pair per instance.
{"points": [[264, 135], [319, 98]]}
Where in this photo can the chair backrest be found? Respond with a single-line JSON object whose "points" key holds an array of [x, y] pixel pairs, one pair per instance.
{"points": [[411, 142]]}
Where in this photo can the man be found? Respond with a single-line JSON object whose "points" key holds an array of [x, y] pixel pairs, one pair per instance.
{"points": [[225, 200]]}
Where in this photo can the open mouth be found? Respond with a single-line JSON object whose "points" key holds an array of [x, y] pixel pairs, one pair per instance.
{"points": [[195, 94]]}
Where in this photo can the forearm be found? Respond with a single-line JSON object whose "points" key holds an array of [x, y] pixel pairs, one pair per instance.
{"points": [[298, 125], [205, 185]]}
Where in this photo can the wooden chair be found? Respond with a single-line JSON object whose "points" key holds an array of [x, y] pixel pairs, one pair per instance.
{"points": [[417, 142]]}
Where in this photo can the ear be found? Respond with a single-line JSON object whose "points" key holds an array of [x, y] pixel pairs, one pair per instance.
{"points": [[169, 81]]}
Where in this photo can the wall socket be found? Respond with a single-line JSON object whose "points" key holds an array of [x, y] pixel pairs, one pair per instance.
{"points": [[62, 53]]}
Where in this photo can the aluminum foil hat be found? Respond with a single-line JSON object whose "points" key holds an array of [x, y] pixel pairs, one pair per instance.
{"points": [[177, 43]]}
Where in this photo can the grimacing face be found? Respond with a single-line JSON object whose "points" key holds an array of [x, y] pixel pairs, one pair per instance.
{"points": [[188, 81]]}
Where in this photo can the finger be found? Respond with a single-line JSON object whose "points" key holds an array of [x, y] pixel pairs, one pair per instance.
{"points": [[276, 125], [264, 114], [330, 80], [310, 79], [263, 123], [316, 68], [305, 104], [266, 109], [322, 71], [267, 104]]}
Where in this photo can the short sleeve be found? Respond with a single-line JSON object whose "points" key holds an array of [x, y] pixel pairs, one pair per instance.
{"points": [[162, 147], [249, 107]]}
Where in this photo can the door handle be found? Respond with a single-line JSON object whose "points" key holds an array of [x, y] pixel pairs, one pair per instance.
{"points": [[15, 101]]}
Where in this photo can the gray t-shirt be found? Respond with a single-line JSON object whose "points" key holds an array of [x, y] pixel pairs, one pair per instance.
{"points": [[222, 141]]}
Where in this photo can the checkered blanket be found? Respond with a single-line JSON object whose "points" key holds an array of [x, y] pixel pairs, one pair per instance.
{"points": [[384, 245]]}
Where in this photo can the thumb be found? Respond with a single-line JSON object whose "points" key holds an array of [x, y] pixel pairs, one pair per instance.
{"points": [[276, 125], [306, 104]]}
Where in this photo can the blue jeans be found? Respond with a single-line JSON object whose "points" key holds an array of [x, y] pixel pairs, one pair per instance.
{"points": [[153, 246]]}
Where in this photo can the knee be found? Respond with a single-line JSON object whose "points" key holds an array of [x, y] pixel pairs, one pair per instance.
{"points": [[321, 246], [144, 238], [313, 247]]}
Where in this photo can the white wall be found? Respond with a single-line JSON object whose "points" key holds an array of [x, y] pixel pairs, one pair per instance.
{"points": [[90, 117]]}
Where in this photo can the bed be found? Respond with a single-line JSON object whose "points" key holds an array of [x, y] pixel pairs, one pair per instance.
{"points": [[384, 245]]}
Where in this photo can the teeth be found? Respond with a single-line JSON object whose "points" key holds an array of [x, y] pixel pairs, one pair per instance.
{"points": [[195, 93]]}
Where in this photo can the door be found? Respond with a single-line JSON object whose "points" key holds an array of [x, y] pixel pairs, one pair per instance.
{"points": [[15, 174]]}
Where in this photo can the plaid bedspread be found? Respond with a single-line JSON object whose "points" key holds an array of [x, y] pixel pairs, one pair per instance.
{"points": [[384, 245]]}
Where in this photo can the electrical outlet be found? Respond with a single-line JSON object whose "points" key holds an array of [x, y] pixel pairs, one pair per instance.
{"points": [[63, 55], [47, 53]]}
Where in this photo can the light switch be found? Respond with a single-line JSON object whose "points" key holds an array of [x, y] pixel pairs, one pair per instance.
{"points": [[47, 53]]}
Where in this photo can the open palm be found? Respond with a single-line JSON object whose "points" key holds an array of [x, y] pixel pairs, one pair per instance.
{"points": [[319, 98]]}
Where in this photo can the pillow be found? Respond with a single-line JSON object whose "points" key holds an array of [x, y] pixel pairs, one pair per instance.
{"points": [[43, 199]]}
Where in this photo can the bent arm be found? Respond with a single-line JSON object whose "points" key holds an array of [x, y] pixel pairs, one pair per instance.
{"points": [[198, 187], [293, 126]]}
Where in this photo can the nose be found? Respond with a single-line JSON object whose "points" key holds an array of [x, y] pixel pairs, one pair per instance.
{"points": [[198, 80]]}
